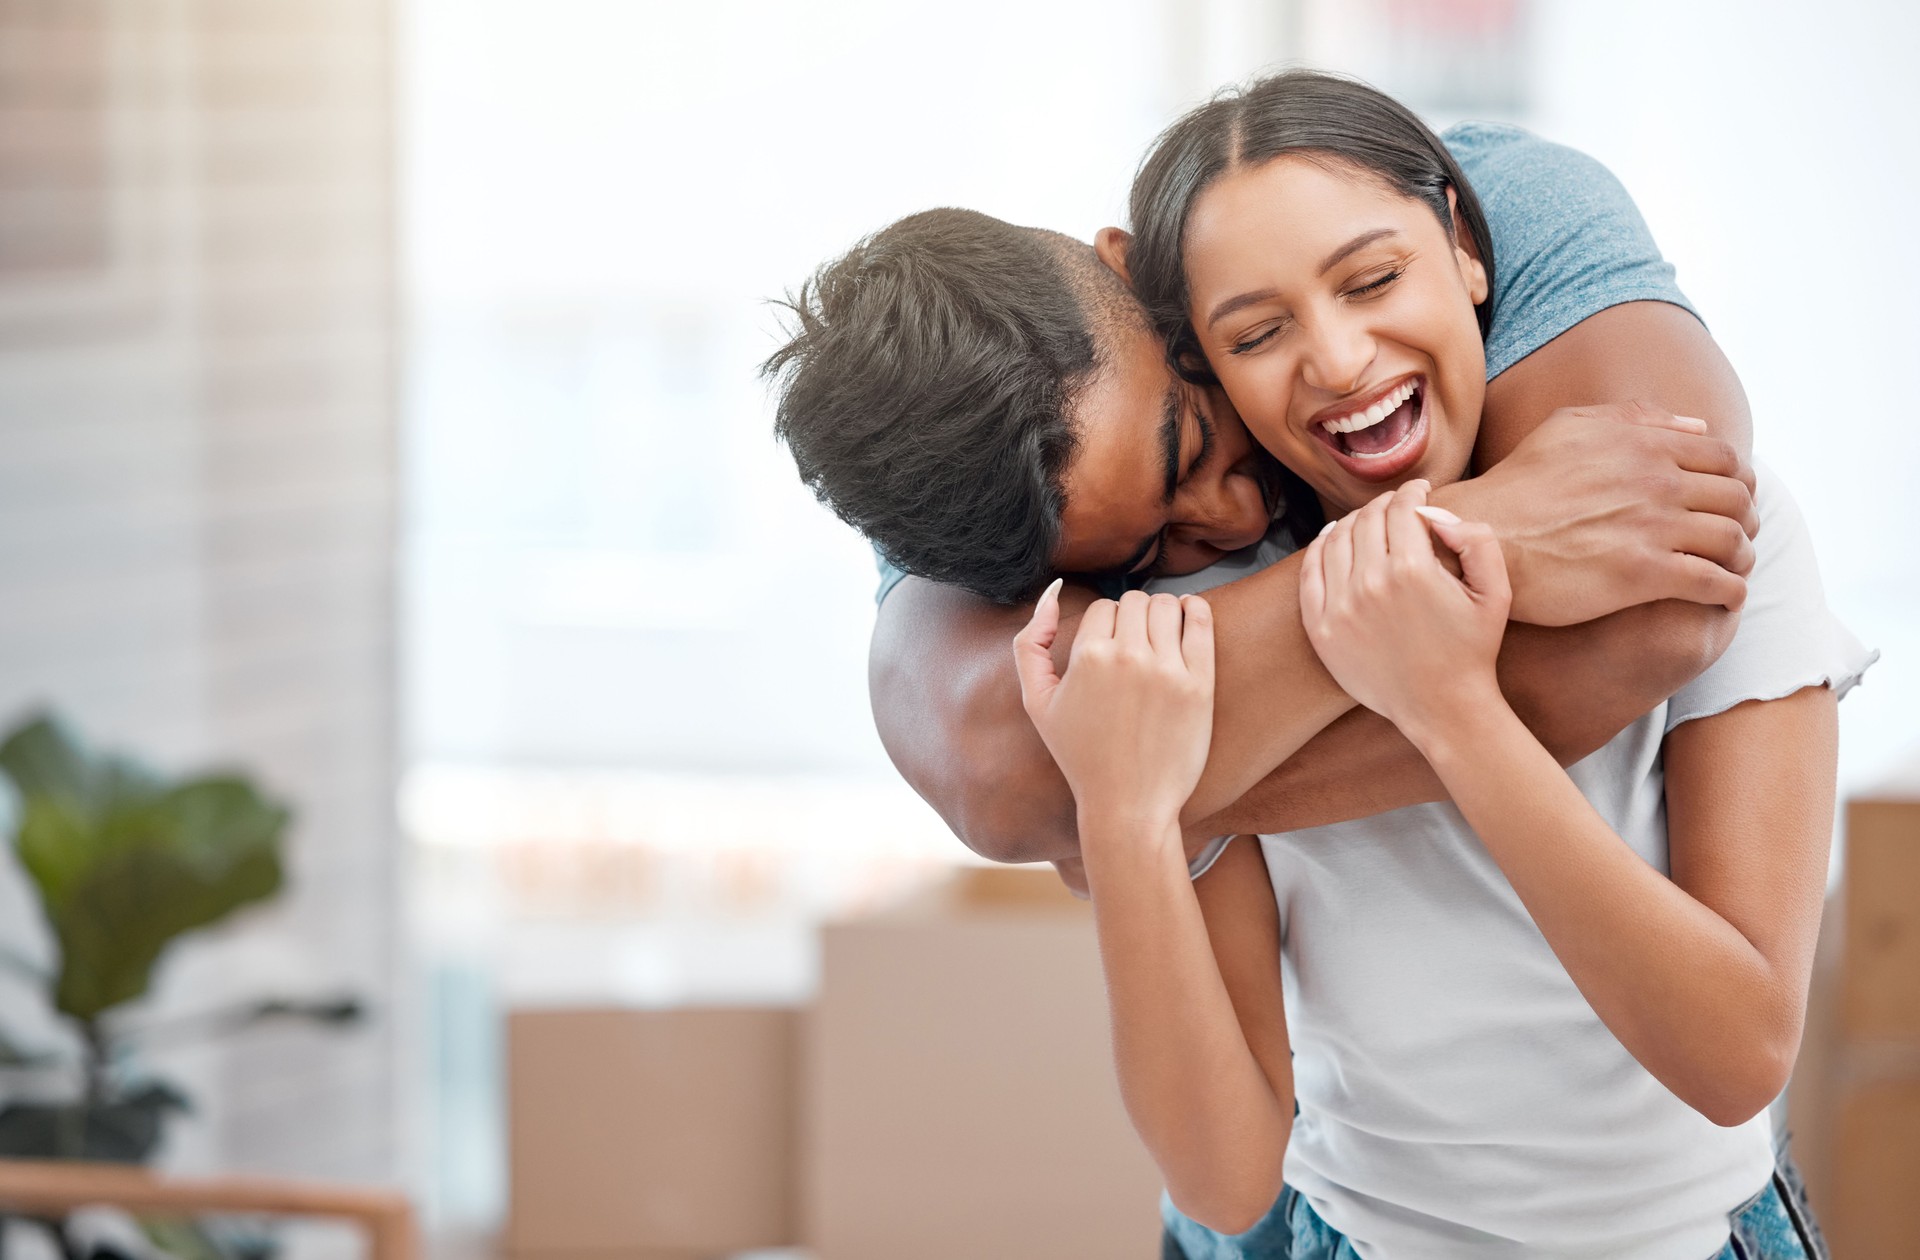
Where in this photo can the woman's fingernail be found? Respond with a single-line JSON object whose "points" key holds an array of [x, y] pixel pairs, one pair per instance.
{"points": [[1328, 526], [1053, 590], [1440, 514]]}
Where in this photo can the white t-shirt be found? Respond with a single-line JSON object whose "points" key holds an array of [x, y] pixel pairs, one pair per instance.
{"points": [[1458, 1096]]}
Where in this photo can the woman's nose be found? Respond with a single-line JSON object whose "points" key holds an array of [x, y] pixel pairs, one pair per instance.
{"points": [[1337, 355]]}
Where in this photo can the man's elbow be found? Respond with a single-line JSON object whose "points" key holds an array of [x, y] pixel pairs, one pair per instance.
{"points": [[1002, 806], [1648, 653], [1682, 639], [1012, 810]]}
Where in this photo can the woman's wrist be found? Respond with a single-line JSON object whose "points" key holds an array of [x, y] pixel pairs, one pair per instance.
{"points": [[1149, 830], [1456, 718]]}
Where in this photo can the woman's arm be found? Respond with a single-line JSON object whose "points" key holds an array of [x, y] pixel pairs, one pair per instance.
{"points": [[1702, 976], [1199, 1026], [1210, 1092]]}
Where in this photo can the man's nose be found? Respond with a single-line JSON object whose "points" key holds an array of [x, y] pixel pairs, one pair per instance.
{"points": [[1337, 355], [1226, 510]]}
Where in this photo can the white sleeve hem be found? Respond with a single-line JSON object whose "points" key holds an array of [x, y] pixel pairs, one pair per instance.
{"points": [[1841, 680], [1203, 861]]}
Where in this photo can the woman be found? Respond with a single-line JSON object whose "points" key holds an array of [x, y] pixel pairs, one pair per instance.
{"points": [[1548, 1022]]}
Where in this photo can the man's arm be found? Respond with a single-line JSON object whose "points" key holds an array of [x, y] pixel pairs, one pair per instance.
{"points": [[1361, 765], [948, 706]]}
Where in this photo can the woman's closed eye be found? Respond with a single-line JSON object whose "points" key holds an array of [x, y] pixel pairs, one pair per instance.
{"points": [[1255, 341], [1378, 285]]}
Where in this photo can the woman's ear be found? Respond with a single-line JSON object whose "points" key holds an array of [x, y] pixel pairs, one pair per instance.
{"points": [[1111, 244], [1473, 273]]}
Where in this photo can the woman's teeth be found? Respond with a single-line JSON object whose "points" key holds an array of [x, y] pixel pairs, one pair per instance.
{"points": [[1375, 414]]}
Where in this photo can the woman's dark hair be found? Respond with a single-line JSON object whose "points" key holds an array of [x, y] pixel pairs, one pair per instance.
{"points": [[1299, 111]]}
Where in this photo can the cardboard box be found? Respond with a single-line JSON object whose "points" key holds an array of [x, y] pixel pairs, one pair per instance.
{"points": [[1873, 1212], [959, 1088], [1855, 1101], [650, 1133], [1881, 990]]}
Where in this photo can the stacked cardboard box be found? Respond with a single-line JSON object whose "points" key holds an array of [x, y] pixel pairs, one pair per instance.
{"points": [[950, 1095], [959, 1087], [663, 1134]]}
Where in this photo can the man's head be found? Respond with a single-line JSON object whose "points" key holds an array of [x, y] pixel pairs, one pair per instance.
{"points": [[987, 403]]}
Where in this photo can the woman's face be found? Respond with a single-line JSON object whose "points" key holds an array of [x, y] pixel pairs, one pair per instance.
{"points": [[1339, 317]]}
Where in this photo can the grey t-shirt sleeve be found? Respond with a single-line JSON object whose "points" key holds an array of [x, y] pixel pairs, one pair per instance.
{"points": [[890, 575], [1568, 242], [1788, 638]]}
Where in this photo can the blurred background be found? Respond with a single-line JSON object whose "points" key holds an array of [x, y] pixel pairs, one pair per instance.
{"points": [[379, 416]]}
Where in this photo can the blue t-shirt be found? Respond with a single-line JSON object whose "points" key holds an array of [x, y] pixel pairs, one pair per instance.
{"points": [[1567, 243]]}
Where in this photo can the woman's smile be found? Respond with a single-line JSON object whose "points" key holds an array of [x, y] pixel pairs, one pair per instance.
{"points": [[1381, 435]]}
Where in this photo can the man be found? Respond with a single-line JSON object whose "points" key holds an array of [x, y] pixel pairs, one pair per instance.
{"points": [[987, 403]]}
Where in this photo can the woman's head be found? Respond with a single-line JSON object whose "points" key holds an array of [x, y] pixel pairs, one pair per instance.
{"points": [[1312, 245]]}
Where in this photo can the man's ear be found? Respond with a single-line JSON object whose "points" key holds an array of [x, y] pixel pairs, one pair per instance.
{"points": [[1466, 253], [1111, 244]]}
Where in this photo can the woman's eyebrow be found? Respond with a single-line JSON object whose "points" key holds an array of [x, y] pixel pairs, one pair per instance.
{"points": [[1238, 302], [1241, 301], [1354, 246]]}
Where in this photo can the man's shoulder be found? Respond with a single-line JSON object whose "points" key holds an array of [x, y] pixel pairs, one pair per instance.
{"points": [[1508, 164], [1568, 241]]}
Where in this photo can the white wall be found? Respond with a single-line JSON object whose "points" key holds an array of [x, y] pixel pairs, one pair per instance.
{"points": [[196, 497], [1773, 148], [611, 562]]}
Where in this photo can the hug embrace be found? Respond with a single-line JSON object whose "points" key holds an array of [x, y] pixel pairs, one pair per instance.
{"points": [[1457, 858]]}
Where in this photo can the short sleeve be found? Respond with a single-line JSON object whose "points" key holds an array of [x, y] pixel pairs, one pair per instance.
{"points": [[1568, 242], [1788, 638], [890, 575]]}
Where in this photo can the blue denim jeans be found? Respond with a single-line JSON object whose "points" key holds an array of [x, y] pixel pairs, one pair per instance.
{"points": [[1774, 1224]]}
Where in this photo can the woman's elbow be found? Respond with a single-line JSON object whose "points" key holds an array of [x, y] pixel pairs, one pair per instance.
{"points": [[1741, 1091], [1231, 1215], [1231, 1205]]}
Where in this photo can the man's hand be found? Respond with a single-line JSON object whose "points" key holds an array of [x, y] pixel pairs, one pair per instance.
{"points": [[1606, 507]]}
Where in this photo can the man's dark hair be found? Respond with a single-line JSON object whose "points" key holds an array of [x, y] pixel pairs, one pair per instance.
{"points": [[925, 392], [1307, 112]]}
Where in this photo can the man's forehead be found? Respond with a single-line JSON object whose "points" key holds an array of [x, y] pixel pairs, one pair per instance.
{"points": [[1132, 390], [1116, 484]]}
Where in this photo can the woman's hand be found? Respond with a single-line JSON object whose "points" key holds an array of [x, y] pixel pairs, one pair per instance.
{"points": [[1131, 722], [1400, 633]]}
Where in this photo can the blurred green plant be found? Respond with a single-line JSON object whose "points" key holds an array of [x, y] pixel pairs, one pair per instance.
{"points": [[125, 863]]}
